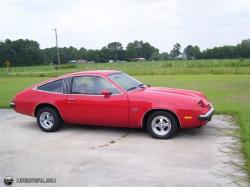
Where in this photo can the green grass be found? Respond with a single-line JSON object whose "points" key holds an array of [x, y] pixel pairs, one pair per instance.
{"points": [[230, 94], [229, 66], [11, 85]]}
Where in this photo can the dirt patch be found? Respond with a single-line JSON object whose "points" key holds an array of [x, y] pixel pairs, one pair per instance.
{"points": [[229, 147]]}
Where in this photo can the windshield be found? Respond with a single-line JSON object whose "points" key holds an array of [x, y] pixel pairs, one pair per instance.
{"points": [[125, 81]]}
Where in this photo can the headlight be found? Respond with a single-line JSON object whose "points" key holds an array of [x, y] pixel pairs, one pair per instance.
{"points": [[201, 104]]}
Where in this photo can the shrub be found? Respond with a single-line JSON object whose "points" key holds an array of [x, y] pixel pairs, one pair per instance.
{"points": [[65, 66]]}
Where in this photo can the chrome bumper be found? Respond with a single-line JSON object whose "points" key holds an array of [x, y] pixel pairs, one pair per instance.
{"points": [[207, 116]]}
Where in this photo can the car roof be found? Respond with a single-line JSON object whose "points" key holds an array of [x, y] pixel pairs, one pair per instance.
{"points": [[80, 73], [92, 72]]}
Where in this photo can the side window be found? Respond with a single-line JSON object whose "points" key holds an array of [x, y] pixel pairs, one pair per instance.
{"points": [[92, 85], [55, 86]]}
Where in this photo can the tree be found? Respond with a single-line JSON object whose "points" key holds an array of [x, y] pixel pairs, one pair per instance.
{"points": [[196, 52], [115, 48], [243, 49], [139, 49], [81, 53], [192, 52], [93, 55], [220, 53], [165, 56], [131, 51], [189, 52], [67, 54], [27, 52], [176, 51], [156, 56], [50, 55], [20, 52], [147, 50], [106, 54]]}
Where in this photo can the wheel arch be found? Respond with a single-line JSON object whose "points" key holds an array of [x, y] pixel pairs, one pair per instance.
{"points": [[147, 114], [41, 105]]}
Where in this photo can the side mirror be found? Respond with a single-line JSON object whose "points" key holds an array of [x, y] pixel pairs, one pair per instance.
{"points": [[106, 93]]}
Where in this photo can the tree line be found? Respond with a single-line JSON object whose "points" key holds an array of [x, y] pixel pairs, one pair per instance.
{"points": [[27, 52]]}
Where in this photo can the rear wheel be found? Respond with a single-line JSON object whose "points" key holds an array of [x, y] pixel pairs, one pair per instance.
{"points": [[162, 125], [48, 119]]}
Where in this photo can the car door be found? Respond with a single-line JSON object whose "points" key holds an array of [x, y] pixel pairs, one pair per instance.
{"points": [[86, 104]]}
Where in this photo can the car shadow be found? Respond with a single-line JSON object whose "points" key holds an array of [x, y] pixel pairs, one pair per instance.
{"points": [[190, 132], [77, 128], [84, 127]]}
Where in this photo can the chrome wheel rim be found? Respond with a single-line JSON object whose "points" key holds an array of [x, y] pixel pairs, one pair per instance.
{"points": [[46, 120], [161, 125]]}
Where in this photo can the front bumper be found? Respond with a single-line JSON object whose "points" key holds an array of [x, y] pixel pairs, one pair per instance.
{"points": [[207, 116], [12, 104]]}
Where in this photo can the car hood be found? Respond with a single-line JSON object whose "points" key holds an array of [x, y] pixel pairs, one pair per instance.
{"points": [[172, 91]]}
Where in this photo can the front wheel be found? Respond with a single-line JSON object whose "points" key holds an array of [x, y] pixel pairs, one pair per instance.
{"points": [[48, 119], [162, 125]]}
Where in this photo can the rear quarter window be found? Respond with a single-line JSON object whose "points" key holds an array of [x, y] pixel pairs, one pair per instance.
{"points": [[54, 86]]}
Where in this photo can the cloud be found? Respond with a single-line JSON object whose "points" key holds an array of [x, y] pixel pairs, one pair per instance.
{"points": [[95, 23]]}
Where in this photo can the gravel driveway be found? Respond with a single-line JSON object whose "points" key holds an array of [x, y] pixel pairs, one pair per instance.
{"points": [[103, 156]]}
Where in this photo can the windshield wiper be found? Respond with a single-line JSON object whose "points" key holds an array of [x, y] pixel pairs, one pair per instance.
{"points": [[134, 87], [141, 85]]}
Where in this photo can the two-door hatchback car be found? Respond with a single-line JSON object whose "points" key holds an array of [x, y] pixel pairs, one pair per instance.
{"points": [[112, 98]]}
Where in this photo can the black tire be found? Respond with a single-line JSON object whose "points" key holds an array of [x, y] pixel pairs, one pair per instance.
{"points": [[168, 130], [49, 126]]}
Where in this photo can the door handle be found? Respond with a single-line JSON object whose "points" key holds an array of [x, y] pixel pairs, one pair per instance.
{"points": [[71, 99]]}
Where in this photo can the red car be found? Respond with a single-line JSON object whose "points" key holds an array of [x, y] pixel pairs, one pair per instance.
{"points": [[112, 98]]}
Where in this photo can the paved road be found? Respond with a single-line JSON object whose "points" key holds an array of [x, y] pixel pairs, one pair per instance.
{"points": [[98, 156]]}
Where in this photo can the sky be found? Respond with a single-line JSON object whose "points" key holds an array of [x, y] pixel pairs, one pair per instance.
{"points": [[93, 24]]}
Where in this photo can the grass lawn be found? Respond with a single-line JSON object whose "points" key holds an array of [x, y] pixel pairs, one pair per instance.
{"points": [[173, 67], [230, 94], [11, 85]]}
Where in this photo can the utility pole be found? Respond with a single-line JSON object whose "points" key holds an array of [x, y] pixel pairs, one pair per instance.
{"points": [[116, 52], [58, 56]]}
